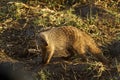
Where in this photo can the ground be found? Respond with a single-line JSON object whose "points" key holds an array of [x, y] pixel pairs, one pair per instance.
{"points": [[21, 20]]}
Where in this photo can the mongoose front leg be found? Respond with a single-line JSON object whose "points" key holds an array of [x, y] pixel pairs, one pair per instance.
{"points": [[47, 55]]}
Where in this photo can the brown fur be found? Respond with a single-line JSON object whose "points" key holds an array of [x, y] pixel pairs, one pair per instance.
{"points": [[68, 39]]}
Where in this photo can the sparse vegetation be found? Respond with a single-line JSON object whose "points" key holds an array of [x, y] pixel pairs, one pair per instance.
{"points": [[20, 20]]}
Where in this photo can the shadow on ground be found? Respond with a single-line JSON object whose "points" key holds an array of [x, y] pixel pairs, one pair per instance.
{"points": [[114, 49], [58, 70], [14, 71], [92, 10]]}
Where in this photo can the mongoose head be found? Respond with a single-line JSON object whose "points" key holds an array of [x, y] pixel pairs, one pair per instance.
{"points": [[40, 37], [40, 41]]}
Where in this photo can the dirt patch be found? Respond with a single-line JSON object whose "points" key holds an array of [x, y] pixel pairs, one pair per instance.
{"points": [[16, 42]]}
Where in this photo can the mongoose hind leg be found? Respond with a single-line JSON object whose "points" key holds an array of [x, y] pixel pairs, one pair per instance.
{"points": [[81, 51], [70, 53]]}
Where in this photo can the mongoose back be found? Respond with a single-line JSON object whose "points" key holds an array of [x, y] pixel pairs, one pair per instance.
{"points": [[69, 39]]}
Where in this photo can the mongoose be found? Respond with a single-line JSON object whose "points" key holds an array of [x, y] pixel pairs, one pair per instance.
{"points": [[69, 39]]}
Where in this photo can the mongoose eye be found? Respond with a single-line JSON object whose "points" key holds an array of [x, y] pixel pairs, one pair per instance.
{"points": [[44, 42]]}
